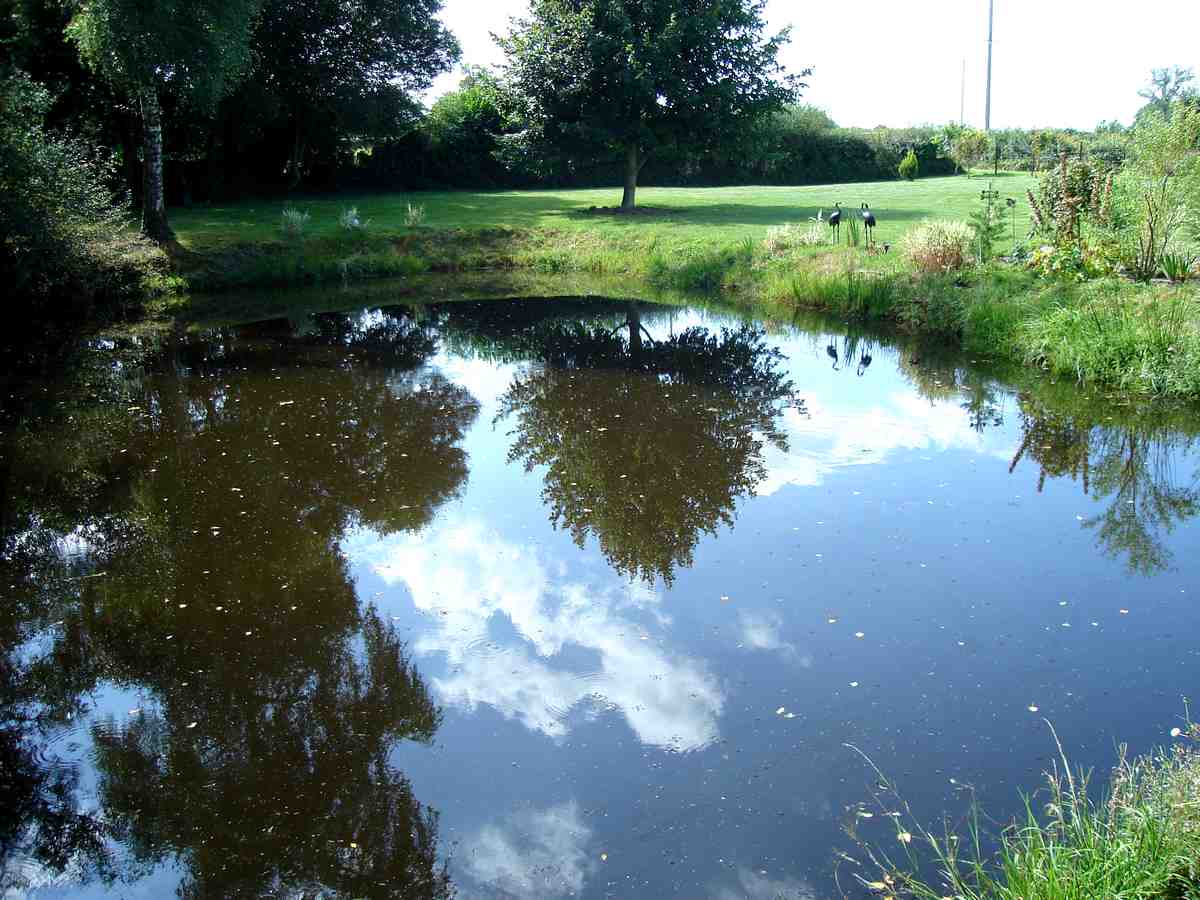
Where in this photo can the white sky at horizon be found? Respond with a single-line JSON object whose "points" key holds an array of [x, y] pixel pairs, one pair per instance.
{"points": [[1062, 63]]}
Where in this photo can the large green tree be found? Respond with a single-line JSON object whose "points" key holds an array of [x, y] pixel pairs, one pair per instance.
{"points": [[347, 67], [194, 49], [633, 76]]}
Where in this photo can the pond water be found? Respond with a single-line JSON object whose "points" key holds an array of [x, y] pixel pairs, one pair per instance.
{"points": [[562, 599]]}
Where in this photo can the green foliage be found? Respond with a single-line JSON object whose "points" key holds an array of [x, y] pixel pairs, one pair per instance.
{"points": [[1167, 86], [331, 73], [293, 223], [64, 244], [196, 49], [968, 148], [909, 166], [632, 78], [850, 222], [987, 225], [1130, 338], [1161, 189], [1179, 267], [463, 128], [1140, 840], [939, 247], [1074, 261]]}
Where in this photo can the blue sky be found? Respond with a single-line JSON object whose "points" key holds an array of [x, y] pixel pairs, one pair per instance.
{"points": [[1067, 63]]}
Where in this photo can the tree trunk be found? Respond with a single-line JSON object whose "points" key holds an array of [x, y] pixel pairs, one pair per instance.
{"points": [[154, 206], [632, 167]]}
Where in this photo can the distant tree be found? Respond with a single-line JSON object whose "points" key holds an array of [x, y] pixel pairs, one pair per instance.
{"points": [[196, 50], [1165, 87], [633, 76], [968, 148], [909, 166], [337, 67], [1110, 126], [805, 117], [463, 125]]}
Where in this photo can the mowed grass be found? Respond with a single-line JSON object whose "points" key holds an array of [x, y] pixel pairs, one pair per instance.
{"points": [[673, 215]]}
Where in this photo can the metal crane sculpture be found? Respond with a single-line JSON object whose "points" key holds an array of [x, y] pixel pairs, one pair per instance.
{"points": [[868, 218], [835, 221]]}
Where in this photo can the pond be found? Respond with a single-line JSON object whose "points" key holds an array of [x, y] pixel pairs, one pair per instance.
{"points": [[563, 598]]}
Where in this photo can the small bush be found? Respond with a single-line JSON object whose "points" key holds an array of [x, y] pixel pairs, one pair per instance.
{"points": [[293, 223], [909, 166], [67, 250], [943, 246]]}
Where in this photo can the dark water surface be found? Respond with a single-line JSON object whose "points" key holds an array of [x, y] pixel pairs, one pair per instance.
{"points": [[561, 599]]}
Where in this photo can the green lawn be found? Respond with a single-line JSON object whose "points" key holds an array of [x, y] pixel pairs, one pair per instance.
{"points": [[680, 214]]}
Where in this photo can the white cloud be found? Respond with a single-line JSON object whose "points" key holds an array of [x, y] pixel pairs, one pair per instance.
{"points": [[463, 575], [827, 440], [534, 853], [760, 631]]}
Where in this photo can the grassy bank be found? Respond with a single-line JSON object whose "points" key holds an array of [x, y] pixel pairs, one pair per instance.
{"points": [[1140, 840], [1140, 338]]}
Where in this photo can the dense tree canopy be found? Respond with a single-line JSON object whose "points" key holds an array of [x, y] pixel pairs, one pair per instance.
{"points": [[194, 49], [336, 68], [634, 76]]}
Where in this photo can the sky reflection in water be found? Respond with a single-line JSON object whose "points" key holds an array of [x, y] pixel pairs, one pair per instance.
{"points": [[653, 578]]}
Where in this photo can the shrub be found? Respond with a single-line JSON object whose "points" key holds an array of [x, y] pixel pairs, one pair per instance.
{"points": [[909, 166], [293, 223], [940, 246], [61, 227]]}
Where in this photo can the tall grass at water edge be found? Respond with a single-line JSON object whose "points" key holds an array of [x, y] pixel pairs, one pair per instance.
{"points": [[1139, 840]]}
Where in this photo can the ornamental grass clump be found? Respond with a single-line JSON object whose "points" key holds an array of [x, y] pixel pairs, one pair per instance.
{"points": [[293, 223], [1139, 839], [782, 238], [939, 246]]}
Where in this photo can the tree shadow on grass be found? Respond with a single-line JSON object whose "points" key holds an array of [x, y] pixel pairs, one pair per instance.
{"points": [[726, 214]]}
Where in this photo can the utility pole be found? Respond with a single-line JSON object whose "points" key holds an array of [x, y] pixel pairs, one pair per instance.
{"points": [[987, 109]]}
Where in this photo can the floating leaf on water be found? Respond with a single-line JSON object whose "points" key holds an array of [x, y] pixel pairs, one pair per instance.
{"points": [[854, 684], [1123, 612], [1176, 732], [1033, 708], [832, 620], [603, 857], [863, 814], [904, 837], [859, 634], [780, 711], [193, 725]]}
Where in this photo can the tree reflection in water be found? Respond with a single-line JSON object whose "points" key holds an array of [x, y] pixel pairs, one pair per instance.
{"points": [[199, 544], [647, 444], [1131, 464]]}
